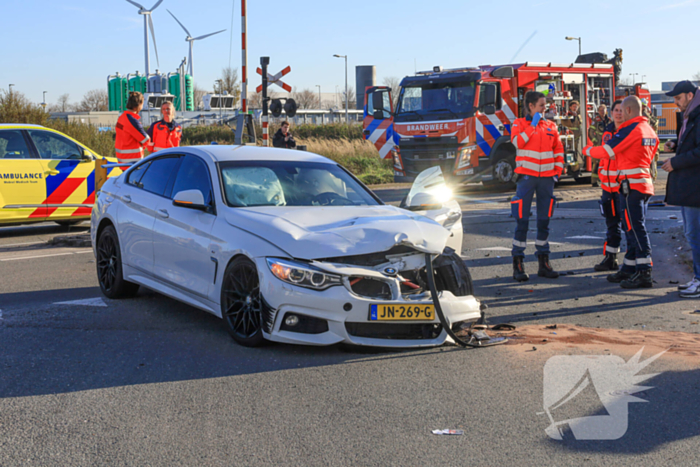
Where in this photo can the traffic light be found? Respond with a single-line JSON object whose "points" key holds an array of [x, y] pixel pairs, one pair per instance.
{"points": [[290, 108], [276, 108]]}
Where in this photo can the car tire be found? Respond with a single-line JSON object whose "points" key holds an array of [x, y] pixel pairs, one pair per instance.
{"points": [[109, 267], [452, 274], [241, 303]]}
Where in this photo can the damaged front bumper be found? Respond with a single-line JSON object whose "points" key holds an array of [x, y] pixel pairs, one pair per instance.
{"points": [[341, 313]]}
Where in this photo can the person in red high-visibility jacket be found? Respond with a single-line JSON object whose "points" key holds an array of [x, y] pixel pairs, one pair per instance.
{"points": [[633, 148], [610, 198], [539, 161], [165, 133], [130, 136]]}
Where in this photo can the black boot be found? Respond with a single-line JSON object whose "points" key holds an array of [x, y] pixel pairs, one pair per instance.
{"points": [[545, 268], [609, 263], [519, 273], [640, 280], [619, 276]]}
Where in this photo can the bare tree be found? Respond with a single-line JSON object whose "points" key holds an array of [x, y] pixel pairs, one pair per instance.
{"points": [[351, 98], [199, 93], [696, 77], [306, 99], [255, 100], [394, 83], [96, 100], [62, 104], [230, 84]]}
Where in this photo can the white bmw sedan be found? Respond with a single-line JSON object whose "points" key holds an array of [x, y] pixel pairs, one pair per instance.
{"points": [[285, 246]]}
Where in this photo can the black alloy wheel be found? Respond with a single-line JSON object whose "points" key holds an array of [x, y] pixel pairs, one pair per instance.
{"points": [[109, 267], [241, 303]]}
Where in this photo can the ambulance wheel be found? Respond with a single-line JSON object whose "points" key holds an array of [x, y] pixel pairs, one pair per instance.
{"points": [[109, 267]]}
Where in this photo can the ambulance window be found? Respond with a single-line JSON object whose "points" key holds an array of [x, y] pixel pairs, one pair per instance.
{"points": [[53, 146], [193, 175], [157, 175], [13, 146]]}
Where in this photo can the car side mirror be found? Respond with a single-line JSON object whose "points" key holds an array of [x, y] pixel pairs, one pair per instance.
{"points": [[192, 199], [378, 115], [424, 202]]}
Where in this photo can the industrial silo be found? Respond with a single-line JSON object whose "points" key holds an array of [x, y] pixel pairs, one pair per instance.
{"points": [[118, 92], [137, 83], [365, 76]]}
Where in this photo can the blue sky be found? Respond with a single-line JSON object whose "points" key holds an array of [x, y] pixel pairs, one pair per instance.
{"points": [[70, 46]]}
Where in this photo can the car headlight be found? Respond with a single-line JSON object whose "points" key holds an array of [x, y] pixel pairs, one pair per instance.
{"points": [[302, 274], [465, 157]]}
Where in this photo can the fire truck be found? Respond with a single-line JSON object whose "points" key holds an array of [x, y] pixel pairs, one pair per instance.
{"points": [[460, 119]]}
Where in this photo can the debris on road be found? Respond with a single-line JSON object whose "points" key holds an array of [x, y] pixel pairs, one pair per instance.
{"points": [[75, 241], [448, 432]]}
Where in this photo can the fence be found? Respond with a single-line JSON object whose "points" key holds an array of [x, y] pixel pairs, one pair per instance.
{"points": [[668, 123]]}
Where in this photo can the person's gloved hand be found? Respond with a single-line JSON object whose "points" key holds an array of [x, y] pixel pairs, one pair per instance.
{"points": [[536, 119]]}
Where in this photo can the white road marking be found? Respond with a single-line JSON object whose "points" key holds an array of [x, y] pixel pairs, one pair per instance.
{"points": [[8, 245], [47, 256], [85, 302], [502, 248], [582, 237]]}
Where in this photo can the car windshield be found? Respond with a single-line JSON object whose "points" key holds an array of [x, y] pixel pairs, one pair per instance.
{"points": [[436, 101], [291, 183]]}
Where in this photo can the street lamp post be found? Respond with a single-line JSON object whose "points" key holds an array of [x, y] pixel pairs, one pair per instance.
{"points": [[319, 96], [346, 85], [643, 76], [43, 104], [221, 98], [11, 88], [569, 38], [633, 75]]}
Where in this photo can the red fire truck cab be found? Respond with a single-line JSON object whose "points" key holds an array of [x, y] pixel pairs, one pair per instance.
{"points": [[460, 119]]}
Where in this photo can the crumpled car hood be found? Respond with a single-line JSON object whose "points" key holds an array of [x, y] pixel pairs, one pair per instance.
{"points": [[324, 232]]}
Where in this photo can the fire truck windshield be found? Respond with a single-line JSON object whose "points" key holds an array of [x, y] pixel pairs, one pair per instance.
{"points": [[436, 101]]}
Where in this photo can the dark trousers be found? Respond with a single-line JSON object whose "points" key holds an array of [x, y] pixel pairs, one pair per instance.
{"points": [[520, 204], [610, 208], [634, 209]]}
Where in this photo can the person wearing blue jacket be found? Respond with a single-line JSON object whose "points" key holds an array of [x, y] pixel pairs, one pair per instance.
{"points": [[682, 187]]}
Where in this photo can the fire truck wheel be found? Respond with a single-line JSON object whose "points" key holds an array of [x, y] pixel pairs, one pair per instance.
{"points": [[504, 172]]}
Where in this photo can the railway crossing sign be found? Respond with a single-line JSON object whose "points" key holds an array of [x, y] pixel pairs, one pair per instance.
{"points": [[276, 79]]}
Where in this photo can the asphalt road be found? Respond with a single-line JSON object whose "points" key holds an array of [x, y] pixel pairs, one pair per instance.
{"points": [[150, 381]]}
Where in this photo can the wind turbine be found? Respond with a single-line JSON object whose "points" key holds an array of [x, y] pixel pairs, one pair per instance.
{"points": [[148, 22], [191, 39]]}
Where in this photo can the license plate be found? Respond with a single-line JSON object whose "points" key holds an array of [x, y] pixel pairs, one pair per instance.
{"points": [[401, 312]]}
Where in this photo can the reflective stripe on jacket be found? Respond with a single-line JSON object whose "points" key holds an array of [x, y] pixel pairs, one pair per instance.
{"points": [[539, 151], [162, 137], [633, 148], [130, 136], [607, 168]]}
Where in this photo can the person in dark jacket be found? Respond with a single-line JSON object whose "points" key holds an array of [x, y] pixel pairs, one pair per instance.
{"points": [[283, 138], [682, 188]]}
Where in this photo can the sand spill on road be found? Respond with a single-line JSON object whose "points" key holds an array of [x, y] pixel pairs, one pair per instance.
{"points": [[616, 341]]}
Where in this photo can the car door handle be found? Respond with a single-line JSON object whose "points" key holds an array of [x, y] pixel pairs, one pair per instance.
{"points": [[163, 213], [126, 198], [52, 172]]}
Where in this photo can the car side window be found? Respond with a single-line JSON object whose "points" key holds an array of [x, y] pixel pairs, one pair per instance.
{"points": [[193, 175], [13, 145], [134, 176], [53, 146], [157, 175]]}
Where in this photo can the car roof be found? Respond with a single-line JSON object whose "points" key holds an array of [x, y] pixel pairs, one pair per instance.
{"points": [[224, 153], [21, 125]]}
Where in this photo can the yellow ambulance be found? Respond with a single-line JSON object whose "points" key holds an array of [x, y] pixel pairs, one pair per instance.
{"points": [[45, 176]]}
